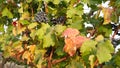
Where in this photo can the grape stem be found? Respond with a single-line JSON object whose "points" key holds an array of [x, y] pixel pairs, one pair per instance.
{"points": [[59, 60]]}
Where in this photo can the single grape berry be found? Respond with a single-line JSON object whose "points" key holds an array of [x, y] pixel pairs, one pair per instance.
{"points": [[41, 17]]}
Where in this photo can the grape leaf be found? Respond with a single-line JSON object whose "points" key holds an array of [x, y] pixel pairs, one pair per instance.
{"points": [[116, 58], [1, 27], [70, 32], [75, 63], [77, 25], [25, 16], [99, 38], [59, 51], [69, 47], [7, 52], [7, 13], [32, 25], [41, 32], [104, 49], [49, 40], [88, 48], [59, 29], [56, 1], [107, 15], [92, 60], [67, 1], [24, 22], [70, 12]]}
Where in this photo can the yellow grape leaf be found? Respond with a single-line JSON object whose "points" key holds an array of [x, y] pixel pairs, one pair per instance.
{"points": [[14, 31], [107, 15], [32, 48], [99, 38], [70, 32], [69, 47], [17, 46], [26, 56], [25, 16], [20, 10]]}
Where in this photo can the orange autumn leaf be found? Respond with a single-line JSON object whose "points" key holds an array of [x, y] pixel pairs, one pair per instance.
{"points": [[79, 40], [73, 43], [29, 55], [69, 47], [70, 32]]}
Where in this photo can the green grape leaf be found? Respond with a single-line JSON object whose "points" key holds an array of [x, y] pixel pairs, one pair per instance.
{"points": [[24, 22], [38, 57], [1, 27], [41, 32], [59, 51], [116, 58], [32, 25], [108, 66], [86, 1], [33, 34], [59, 29], [105, 30], [79, 10], [104, 49], [7, 13], [77, 25], [28, 1], [67, 1], [88, 48], [75, 63], [70, 12], [56, 1], [20, 10], [49, 40], [7, 52]]}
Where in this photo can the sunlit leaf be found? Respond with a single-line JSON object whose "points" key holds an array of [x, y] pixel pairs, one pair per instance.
{"points": [[59, 29], [104, 49], [92, 60], [56, 1], [25, 16], [99, 38], [107, 15], [49, 40], [27, 56], [69, 46], [70, 12], [7, 13], [41, 32], [88, 48], [32, 25], [79, 40], [70, 32], [24, 22]]}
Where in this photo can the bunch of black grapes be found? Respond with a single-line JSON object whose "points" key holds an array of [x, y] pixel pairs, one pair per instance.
{"points": [[59, 20], [41, 17]]}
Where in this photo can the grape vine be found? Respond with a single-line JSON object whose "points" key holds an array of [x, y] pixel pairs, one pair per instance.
{"points": [[60, 33]]}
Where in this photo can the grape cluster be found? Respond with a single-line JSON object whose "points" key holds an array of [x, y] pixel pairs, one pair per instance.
{"points": [[41, 17], [59, 20]]}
